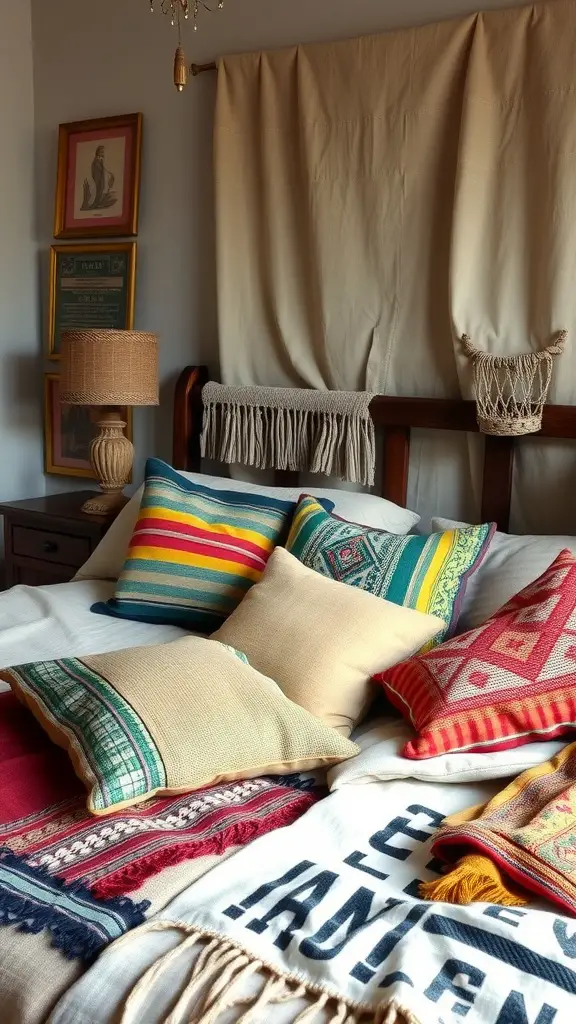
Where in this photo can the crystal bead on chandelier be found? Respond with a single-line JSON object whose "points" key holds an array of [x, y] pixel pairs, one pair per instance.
{"points": [[181, 10]]}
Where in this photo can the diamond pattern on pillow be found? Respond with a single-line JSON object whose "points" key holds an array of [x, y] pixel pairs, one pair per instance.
{"points": [[503, 684], [427, 573]]}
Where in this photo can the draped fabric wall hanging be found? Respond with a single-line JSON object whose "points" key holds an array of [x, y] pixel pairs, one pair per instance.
{"points": [[378, 198]]}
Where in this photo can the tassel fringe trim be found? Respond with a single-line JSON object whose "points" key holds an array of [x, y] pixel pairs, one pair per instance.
{"points": [[328, 432], [217, 984], [131, 876], [79, 925], [475, 879]]}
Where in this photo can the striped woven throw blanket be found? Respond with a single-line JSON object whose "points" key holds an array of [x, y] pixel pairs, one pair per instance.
{"points": [[328, 432], [63, 870], [521, 842]]}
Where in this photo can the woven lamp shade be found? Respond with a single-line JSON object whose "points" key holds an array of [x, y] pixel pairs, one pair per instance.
{"points": [[112, 368]]}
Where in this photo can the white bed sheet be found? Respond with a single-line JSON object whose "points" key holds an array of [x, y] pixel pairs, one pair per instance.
{"points": [[381, 742], [41, 623]]}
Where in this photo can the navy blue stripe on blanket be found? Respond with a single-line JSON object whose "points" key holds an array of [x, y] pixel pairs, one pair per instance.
{"points": [[80, 925], [512, 953]]}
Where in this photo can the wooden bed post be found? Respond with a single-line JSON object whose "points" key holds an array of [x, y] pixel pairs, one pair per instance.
{"points": [[497, 481], [396, 458], [187, 428]]}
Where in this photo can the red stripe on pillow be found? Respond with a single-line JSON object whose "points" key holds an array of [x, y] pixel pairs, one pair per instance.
{"points": [[151, 525], [157, 540]]}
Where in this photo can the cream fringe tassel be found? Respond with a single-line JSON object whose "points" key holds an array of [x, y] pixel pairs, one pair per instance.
{"points": [[329, 432], [222, 969]]}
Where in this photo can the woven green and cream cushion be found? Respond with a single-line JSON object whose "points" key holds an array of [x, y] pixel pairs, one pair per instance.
{"points": [[171, 719]]}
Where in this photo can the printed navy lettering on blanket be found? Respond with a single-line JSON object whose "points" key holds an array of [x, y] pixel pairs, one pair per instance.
{"points": [[333, 902]]}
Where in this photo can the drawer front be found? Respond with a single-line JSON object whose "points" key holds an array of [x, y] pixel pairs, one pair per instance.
{"points": [[47, 546]]}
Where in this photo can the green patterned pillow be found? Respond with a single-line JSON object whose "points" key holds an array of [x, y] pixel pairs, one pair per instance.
{"points": [[170, 719], [427, 573]]}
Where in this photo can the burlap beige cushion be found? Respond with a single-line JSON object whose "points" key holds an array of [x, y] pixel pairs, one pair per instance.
{"points": [[321, 640], [170, 719]]}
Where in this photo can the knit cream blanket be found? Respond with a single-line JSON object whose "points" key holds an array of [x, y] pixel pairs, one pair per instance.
{"points": [[328, 432]]}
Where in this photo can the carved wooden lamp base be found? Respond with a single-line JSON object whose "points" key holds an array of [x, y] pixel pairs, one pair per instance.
{"points": [[112, 455], [108, 370]]}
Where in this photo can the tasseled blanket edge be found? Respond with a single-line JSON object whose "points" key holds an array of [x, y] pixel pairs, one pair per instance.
{"points": [[32, 901], [217, 980]]}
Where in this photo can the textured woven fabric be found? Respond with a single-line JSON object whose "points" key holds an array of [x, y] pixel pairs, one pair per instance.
{"points": [[528, 830], [43, 815], [171, 719], [80, 924], [321, 640], [506, 683], [427, 573], [195, 551], [302, 429]]}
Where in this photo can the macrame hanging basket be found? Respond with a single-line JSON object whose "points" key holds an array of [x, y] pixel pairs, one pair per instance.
{"points": [[511, 391]]}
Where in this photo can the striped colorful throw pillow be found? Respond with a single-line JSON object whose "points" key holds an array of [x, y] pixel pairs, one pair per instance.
{"points": [[427, 573], [195, 551]]}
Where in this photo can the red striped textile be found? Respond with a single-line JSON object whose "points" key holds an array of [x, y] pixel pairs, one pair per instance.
{"points": [[43, 815], [226, 552], [195, 551], [148, 527]]}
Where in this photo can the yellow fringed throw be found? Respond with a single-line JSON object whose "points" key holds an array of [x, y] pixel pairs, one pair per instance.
{"points": [[523, 841], [475, 879]]}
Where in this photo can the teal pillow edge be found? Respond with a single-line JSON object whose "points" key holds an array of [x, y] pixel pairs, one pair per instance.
{"points": [[484, 532]]}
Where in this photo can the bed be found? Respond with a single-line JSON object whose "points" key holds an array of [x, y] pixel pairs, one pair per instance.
{"points": [[368, 840]]}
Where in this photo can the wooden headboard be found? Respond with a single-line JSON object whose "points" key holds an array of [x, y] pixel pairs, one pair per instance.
{"points": [[395, 417]]}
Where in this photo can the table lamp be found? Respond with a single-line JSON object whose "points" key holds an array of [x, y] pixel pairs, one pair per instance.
{"points": [[107, 370]]}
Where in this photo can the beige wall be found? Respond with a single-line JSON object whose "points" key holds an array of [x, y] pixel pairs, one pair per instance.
{"points": [[112, 57], [21, 472]]}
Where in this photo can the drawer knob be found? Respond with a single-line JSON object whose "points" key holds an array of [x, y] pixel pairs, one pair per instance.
{"points": [[50, 547]]}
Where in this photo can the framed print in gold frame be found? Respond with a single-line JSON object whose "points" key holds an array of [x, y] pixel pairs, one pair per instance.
{"points": [[98, 183], [91, 286], [68, 433]]}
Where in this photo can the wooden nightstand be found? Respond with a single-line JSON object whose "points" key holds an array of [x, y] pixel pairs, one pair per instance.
{"points": [[48, 539]]}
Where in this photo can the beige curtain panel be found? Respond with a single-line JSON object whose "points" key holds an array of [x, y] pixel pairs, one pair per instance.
{"points": [[378, 198]]}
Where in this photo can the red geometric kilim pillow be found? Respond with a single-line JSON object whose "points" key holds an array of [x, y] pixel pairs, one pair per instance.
{"points": [[509, 682]]}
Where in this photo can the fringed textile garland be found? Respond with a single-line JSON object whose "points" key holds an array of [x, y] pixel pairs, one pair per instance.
{"points": [[328, 432]]}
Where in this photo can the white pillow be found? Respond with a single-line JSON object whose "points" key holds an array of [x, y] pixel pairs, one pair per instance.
{"points": [[107, 561], [510, 564], [380, 759]]}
